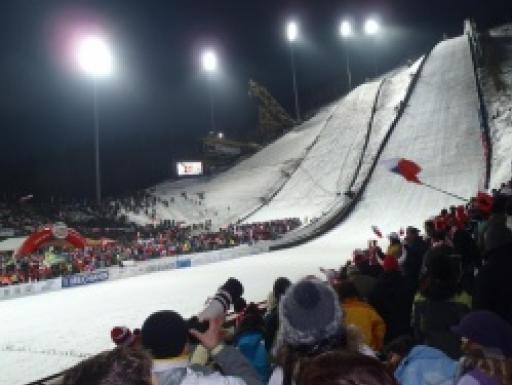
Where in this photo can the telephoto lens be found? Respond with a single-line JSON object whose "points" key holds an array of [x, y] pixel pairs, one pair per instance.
{"points": [[219, 304]]}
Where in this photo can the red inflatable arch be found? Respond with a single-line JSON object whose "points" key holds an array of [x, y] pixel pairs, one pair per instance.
{"points": [[48, 234]]}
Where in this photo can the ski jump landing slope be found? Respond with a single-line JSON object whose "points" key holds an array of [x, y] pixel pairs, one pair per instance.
{"points": [[440, 130]]}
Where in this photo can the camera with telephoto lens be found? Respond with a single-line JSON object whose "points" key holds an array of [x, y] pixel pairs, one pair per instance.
{"points": [[219, 304]]}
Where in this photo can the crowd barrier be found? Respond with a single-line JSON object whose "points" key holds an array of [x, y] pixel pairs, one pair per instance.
{"points": [[22, 290], [131, 270]]}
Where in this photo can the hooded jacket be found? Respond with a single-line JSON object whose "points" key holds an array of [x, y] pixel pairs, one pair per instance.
{"points": [[426, 366]]}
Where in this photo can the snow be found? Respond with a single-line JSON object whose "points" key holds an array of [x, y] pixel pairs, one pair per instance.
{"points": [[327, 171], [439, 130], [239, 190], [499, 107]]}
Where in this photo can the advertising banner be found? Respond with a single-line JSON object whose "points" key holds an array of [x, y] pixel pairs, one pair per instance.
{"points": [[84, 278], [189, 168]]}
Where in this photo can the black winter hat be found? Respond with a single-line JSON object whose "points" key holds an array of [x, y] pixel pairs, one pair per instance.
{"points": [[164, 334]]}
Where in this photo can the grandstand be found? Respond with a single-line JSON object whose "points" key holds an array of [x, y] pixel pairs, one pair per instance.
{"points": [[429, 112]]}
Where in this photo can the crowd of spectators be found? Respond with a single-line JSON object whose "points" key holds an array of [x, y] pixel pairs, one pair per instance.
{"points": [[433, 308], [135, 244]]}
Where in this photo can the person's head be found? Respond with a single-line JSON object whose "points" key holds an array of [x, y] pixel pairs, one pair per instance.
{"points": [[411, 233], [165, 334], [121, 366], [347, 289], [398, 349], [486, 331], [444, 212], [429, 227], [345, 368], [441, 281], [281, 284], [394, 238], [453, 210], [252, 320]]}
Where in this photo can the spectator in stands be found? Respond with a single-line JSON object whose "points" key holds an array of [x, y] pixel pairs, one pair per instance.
{"points": [[345, 368], [420, 364], [249, 339], [496, 231], [165, 336], [439, 247], [391, 299], [271, 319], [362, 315], [416, 248], [429, 228], [395, 247], [487, 346], [361, 274], [466, 247], [493, 288], [311, 323], [121, 366], [439, 305]]}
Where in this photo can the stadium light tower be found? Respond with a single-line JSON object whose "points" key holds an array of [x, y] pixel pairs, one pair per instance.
{"points": [[95, 59], [372, 28], [346, 33], [209, 63], [292, 33]]}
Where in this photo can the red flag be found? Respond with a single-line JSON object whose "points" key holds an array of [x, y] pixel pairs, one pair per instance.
{"points": [[405, 167]]}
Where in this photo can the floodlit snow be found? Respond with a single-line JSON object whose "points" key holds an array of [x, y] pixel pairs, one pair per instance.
{"points": [[439, 130], [236, 192], [499, 107]]}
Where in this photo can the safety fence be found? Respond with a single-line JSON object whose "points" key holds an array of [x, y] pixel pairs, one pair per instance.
{"points": [[477, 60]]}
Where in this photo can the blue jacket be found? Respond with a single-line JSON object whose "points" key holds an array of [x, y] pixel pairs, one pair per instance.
{"points": [[252, 346], [426, 366]]}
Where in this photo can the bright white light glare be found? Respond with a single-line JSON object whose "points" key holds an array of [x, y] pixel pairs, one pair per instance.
{"points": [[292, 31], [209, 61], [371, 27], [345, 28], [94, 56], [220, 135]]}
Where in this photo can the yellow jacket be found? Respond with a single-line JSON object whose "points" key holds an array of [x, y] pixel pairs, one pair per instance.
{"points": [[367, 320]]}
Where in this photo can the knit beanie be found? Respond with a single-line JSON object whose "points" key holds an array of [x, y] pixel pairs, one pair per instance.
{"points": [[390, 263], [309, 313], [164, 334], [122, 336]]}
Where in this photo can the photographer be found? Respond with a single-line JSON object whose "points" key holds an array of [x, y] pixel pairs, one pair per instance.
{"points": [[165, 335]]}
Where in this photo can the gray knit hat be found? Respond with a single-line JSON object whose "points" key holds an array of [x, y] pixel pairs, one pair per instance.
{"points": [[309, 313]]}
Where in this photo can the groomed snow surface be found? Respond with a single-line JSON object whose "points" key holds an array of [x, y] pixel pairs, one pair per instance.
{"points": [[439, 129]]}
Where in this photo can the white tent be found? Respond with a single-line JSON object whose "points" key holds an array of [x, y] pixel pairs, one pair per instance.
{"points": [[11, 244]]}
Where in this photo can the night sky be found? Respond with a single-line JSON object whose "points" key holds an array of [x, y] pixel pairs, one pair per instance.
{"points": [[155, 107]]}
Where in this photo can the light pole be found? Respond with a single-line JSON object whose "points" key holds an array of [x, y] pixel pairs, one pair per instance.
{"points": [[95, 60], [372, 28], [209, 63], [346, 33], [292, 32]]}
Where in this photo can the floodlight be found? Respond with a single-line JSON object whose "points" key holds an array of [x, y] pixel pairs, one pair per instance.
{"points": [[94, 56], [345, 28], [292, 31], [209, 60], [371, 27]]}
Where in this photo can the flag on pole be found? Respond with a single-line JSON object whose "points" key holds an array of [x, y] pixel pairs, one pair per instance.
{"points": [[377, 231], [404, 167]]}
